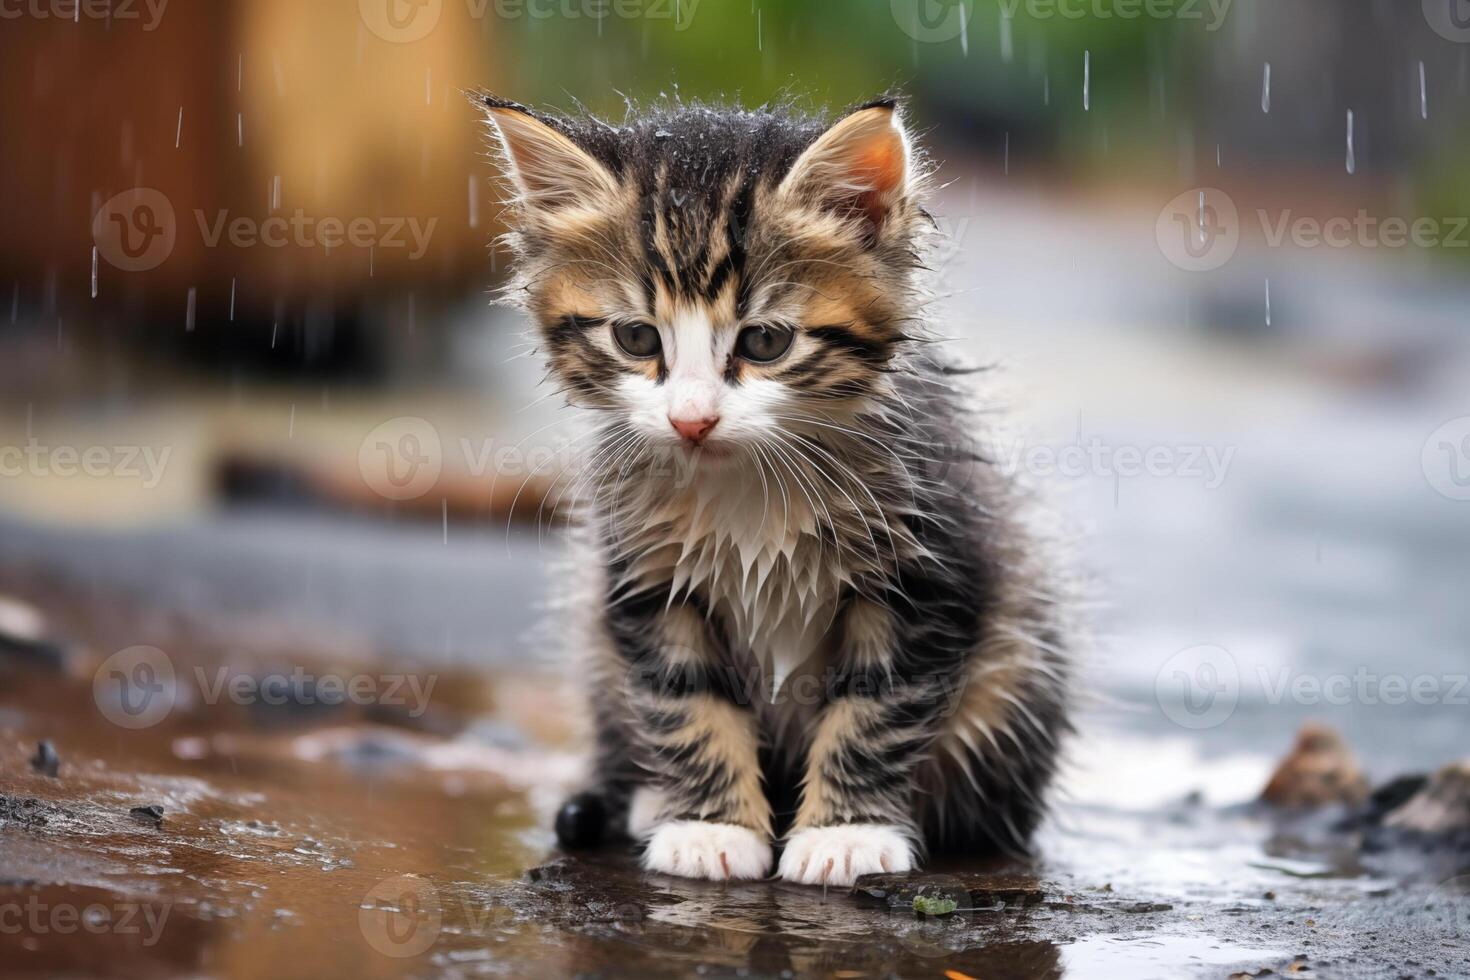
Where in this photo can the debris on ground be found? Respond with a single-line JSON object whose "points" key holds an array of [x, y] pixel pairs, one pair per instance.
{"points": [[1320, 770], [46, 761]]}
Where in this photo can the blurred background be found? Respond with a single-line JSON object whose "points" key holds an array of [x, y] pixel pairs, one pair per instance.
{"points": [[253, 389]]}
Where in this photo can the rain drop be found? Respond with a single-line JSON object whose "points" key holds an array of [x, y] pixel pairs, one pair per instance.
{"points": [[1087, 81], [94, 276], [1268, 301], [1006, 44], [1352, 159], [474, 202], [1266, 89], [232, 300], [1423, 93], [179, 133], [189, 312]]}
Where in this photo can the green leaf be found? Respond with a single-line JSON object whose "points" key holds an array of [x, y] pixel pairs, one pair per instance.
{"points": [[925, 905]]}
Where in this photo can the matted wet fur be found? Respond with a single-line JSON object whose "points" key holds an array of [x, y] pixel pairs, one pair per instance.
{"points": [[813, 618]]}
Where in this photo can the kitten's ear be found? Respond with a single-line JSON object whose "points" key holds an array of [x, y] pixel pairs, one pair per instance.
{"points": [[860, 166], [548, 170]]}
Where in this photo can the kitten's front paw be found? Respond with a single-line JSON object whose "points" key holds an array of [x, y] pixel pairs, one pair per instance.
{"points": [[838, 855], [718, 851]]}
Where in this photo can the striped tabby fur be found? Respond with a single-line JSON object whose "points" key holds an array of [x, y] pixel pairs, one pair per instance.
{"points": [[824, 626]]}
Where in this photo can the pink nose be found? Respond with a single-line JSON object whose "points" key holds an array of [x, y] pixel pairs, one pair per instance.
{"points": [[693, 429]]}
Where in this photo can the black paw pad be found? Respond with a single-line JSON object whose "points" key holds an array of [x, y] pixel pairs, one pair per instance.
{"points": [[581, 821]]}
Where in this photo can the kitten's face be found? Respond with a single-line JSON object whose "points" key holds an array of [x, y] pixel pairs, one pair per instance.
{"points": [[715, 280]]}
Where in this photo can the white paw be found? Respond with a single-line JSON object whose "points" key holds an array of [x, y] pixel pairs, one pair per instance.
{"points": [[838, 855], [718, 851]]}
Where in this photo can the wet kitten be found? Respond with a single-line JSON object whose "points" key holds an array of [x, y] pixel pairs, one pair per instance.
{"points": [[815, 619]]}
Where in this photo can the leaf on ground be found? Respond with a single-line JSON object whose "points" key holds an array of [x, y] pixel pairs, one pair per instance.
{"points": [[925, 905]]}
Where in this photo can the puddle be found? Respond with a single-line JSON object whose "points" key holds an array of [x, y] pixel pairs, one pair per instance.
{"points": [[353, 842], [1157, 957]]}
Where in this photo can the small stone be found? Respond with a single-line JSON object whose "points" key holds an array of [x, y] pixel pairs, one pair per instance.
{"points": [[46, 761], [1441, 806], [148, 814], [1320, 770]]}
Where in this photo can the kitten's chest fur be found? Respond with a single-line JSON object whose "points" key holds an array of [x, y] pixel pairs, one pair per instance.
{"points": [[767, 564]]}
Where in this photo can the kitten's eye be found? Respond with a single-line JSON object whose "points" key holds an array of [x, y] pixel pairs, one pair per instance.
{"points": [[638, 339], [763, 343]]}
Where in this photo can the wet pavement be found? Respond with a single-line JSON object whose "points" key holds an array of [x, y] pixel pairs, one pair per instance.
{"points": [[405, 833]]}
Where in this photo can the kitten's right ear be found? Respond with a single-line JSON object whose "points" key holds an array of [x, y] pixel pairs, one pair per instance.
{"points": [[548, 170]]}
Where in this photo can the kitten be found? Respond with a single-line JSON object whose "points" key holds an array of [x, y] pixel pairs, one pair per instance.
{"points": [[815, 619]]}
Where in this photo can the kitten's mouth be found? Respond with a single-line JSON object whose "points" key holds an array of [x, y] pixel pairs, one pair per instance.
{"points": [[708, 451]]}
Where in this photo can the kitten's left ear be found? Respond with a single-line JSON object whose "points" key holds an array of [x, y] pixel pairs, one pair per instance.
{"points": [[549, 171], [861, 166]]}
